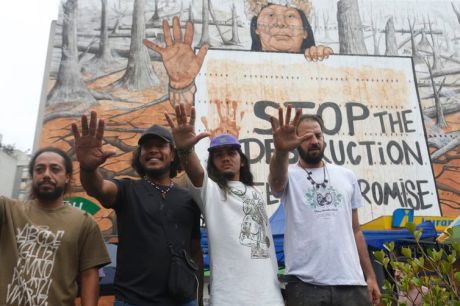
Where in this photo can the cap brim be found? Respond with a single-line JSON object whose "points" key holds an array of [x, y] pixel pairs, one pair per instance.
{"points": [[147, 136], [238, 146]]}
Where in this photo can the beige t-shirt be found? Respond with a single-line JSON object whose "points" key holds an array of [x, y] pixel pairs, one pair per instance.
{"points": [[42, 252]]}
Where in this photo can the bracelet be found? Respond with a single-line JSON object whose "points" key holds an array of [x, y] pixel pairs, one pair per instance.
{"points": [[181, 90], [185, 152]]}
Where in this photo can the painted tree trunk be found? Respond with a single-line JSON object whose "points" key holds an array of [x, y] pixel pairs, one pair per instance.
{"points": [[205, 25], [139, 74], [391, 46], [69, 85], [351, 36], [235, 37]]}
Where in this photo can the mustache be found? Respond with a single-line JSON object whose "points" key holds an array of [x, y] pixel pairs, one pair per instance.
{"points": [[46, 181]]}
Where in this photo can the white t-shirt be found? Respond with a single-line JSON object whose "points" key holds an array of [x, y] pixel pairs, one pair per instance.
{"points": [[319, 243], [242, 256]]}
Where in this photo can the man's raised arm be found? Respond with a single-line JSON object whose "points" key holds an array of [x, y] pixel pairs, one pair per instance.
{"points": [[88, 149], [185, 139], [285, 139]]}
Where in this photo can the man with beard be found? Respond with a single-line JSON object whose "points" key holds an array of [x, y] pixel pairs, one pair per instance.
{"points": [[325, 250], [152, 213], [46, 244], [243, 262]]}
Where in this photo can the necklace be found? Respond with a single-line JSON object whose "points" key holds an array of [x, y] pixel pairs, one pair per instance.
{"points": [[238, 192], [157, 187], [313, 182]]}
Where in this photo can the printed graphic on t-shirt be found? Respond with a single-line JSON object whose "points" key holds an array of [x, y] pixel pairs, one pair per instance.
{"points": [[37, 247], [324, 201], [254, 226]]}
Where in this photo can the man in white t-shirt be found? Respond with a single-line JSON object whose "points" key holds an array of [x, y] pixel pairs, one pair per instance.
{"points": [[325, 250], [243, 261]]}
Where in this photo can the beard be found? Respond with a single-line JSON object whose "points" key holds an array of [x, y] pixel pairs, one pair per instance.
{"points": [[47, 196], [156, 173], [229, 175], [309, 157]]}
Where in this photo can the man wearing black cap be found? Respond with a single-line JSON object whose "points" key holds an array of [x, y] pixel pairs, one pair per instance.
{"points": [[151, 212], [240, 242]]}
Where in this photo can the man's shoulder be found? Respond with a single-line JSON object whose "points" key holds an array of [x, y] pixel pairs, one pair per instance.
{"points": [[340, 169], [8, 201], [13, 204], [77, 214], [126, 181]]}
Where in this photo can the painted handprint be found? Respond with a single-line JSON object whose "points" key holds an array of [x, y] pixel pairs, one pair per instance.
{"points": [[227, 122]]}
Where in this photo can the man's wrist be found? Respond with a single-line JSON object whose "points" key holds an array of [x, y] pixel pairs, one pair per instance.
{"points": [[185, 152], [88, 170]]}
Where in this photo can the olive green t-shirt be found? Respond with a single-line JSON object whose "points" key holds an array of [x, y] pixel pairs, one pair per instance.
{"points": [[42, 252]]}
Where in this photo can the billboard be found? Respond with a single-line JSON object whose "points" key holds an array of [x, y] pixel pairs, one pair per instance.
{"points": [[372, 119]]}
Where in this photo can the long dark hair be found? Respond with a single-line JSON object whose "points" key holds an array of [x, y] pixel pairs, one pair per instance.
{"points": [[246, 176], [306, 43], [136, 163], [67, 164]]}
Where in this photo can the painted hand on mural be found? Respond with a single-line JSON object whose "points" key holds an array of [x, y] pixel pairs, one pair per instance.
{"points": [[88, 144], [285, 137], [181, 63], [228, 121], [184, 131], [315, 53]]}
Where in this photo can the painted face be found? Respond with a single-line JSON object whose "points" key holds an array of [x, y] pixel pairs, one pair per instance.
{"points": [[49, 177], [280, 28], [227, 161], [156, 156], [312, 149]]}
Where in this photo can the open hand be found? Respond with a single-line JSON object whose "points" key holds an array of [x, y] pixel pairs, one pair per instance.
{"points": [[181, 63], [88, 144], [184, 132], [284, 130]]}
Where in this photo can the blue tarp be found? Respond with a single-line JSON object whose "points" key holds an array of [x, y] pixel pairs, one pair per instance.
{"points": [[374, 238]]}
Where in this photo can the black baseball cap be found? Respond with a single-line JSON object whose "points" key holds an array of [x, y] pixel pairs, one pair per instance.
{"points": [[158, 131]]}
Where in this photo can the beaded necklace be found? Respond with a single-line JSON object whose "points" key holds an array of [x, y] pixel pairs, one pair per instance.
{"points": [[313, 182], [157, 187]]}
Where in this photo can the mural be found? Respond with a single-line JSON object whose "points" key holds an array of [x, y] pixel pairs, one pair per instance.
{"points": [[99, 63]]}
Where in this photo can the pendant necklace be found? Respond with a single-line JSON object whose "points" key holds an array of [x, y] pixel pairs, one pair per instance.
{"points": [[238, 192], [313, 182], [163, 191]]}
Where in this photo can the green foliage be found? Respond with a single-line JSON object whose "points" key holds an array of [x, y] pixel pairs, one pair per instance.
{"points": [[429, 273]]}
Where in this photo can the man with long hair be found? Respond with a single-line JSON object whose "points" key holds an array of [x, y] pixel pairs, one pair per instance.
{"points": [[153, 213], [243, 261], [46, 244], [325, 249]]}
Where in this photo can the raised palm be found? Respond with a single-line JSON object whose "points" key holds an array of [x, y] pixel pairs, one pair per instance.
{"points": [[184, 130], [181, 63], [284, 131], [88, 144]]}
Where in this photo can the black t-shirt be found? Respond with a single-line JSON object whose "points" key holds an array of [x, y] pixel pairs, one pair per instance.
{"points": [[143, 256]]}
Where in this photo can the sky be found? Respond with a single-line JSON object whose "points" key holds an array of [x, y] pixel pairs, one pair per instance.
{"points": [[24, 30]]}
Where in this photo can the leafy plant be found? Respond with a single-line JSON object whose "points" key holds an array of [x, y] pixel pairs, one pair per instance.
{"points": [[428, 273]]}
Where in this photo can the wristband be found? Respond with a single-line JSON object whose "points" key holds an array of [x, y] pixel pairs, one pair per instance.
{"points": [[185, 152], [181, 90]]}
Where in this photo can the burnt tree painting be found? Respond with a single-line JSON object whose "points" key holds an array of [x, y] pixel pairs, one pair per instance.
{"points": [[100, 63]]}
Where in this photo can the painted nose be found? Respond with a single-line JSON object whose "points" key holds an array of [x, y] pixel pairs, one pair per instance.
{"points": [[280, 21]]}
